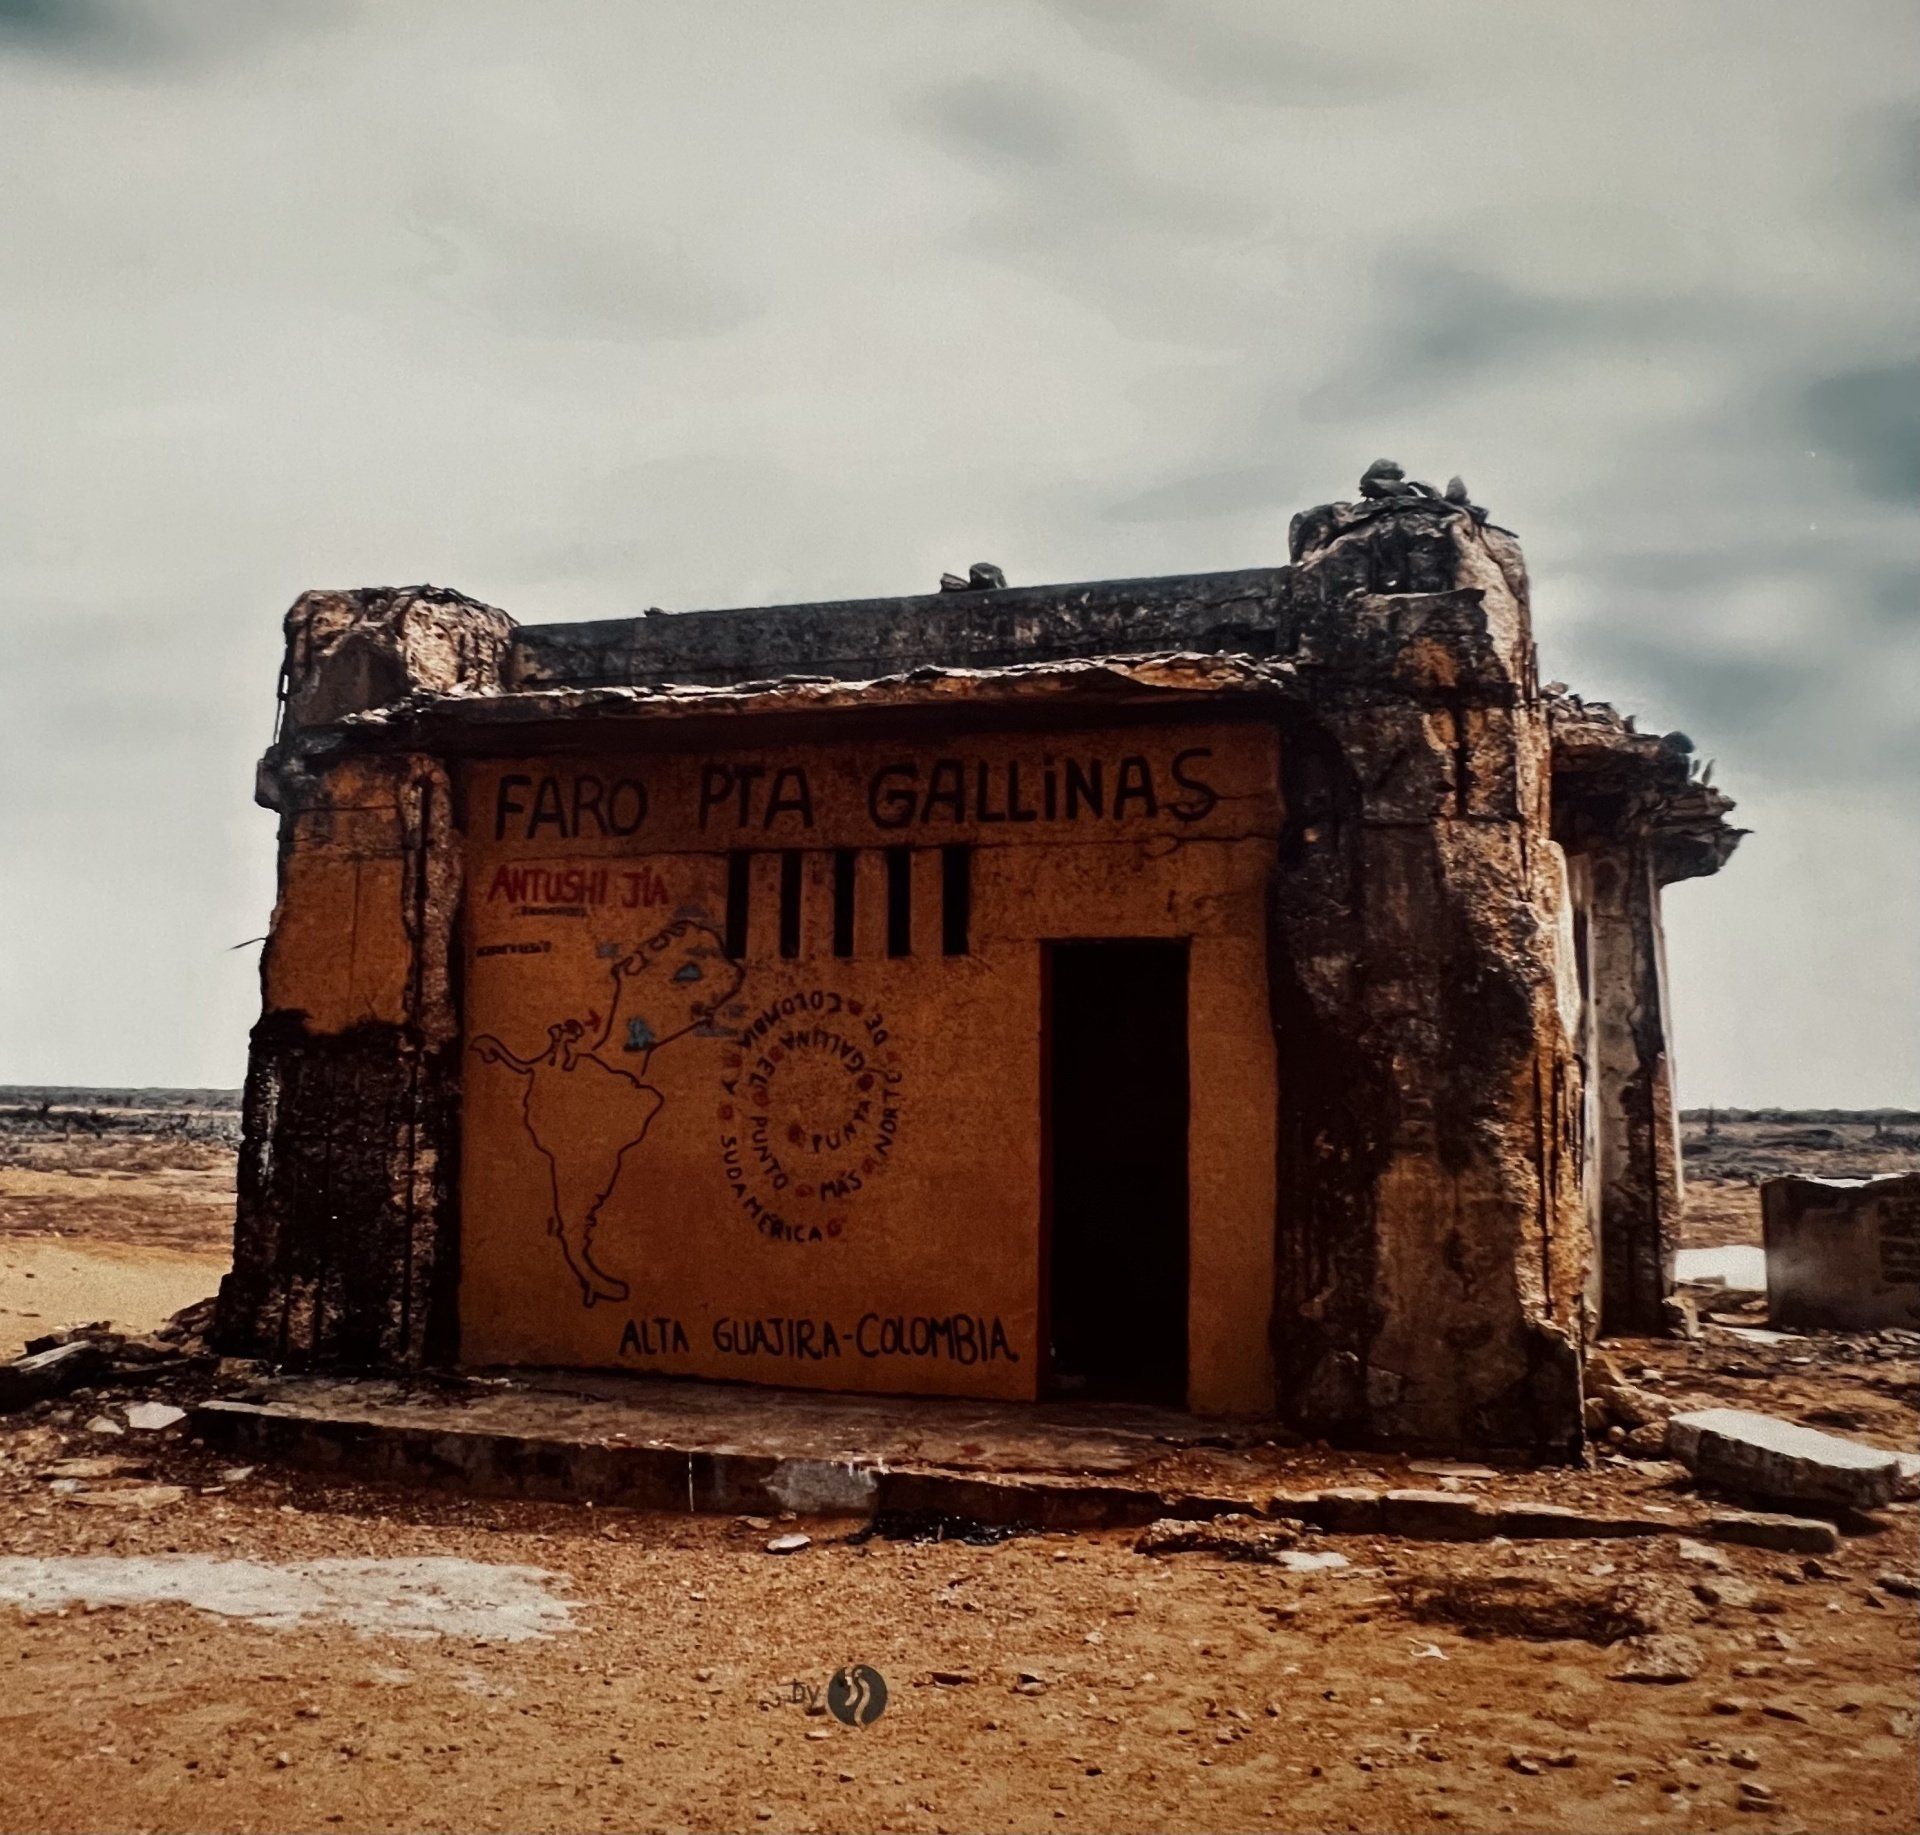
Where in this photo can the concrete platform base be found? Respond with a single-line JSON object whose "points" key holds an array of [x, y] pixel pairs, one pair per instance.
{"points": [[659, 1444], [662, 1444]]}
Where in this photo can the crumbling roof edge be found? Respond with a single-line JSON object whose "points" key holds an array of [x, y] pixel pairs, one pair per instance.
{"points": [[1170, 675]]}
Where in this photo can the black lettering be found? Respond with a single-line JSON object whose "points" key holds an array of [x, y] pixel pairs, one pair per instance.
{"points": [[1135, 786], [946, 786], [547, 807], [715, 782], [1204, 797], [791, 796], [627, 806], [896, 799], [1016, 810], [982, 811], [1085, 786], [747, 776], [507, 804], [587, 792]]}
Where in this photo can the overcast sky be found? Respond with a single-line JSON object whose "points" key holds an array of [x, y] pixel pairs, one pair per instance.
{"points": [[585, 308]]}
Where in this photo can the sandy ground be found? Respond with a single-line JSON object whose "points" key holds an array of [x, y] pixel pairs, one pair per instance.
{"points": [[49, 1282], [126, 1231], [1160, 1693]]}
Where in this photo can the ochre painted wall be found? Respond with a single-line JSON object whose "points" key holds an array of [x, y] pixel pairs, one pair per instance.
{"points": [[825, 1170]]}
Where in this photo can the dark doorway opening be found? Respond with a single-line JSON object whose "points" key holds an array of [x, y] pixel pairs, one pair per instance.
{"points": [[1114, 1148]]}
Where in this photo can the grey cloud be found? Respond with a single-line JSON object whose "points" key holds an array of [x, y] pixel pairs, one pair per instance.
{"points": [[1201, 496], [165, 38], [1443, 323], [1872, 416], [1204, 53], [98, 31], [1002, 122], [1072, 178], [535, 274]]}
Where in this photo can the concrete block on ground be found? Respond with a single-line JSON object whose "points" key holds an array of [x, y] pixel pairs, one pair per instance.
{"points": [[1843, 1254], [1789, 1535], [1742, 1450], [1436, 1516], [1535, 1522], [1347, 1510]]}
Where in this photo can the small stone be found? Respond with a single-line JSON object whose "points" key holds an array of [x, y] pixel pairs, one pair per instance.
{"points": [[790, 1544], [154, 1417], [951, 1678], [1901, 1586], [1525, 1763], [1728, 1704], [1744, 1758], [102, 1424], [1783, 1710], [131, 1497], [1724, 1590], [1661, 1657]]}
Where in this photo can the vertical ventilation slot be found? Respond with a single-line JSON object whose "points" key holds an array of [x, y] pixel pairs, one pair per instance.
{"points": [[844, 861], [790, 903], [739, 884], [899, 901], [956, 899]]}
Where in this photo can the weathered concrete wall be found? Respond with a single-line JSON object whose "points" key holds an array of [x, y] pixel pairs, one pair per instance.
{"points": [[824, 1167], [1843, 1255], [1640, 1194], [1430, 1243], [346, 1239]]}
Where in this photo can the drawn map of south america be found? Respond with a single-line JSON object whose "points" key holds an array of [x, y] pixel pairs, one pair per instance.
{"points": [[585, 1103]]}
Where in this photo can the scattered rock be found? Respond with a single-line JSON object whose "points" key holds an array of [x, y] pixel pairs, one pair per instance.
{"points": [[1532, 1606], [54, 1371], [1525, 1763], [105, 1466], [1725, 1590], [130, 1497], [790, 1544], [1664, 1657], [103, 1424], [1647, 1442], [1744, 1450], [952, 1678], [1233, 1538], [154, 1417], [1901, 1586]]}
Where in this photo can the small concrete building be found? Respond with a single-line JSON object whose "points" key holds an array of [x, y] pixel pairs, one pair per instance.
{"points": [[1239, 991]]}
